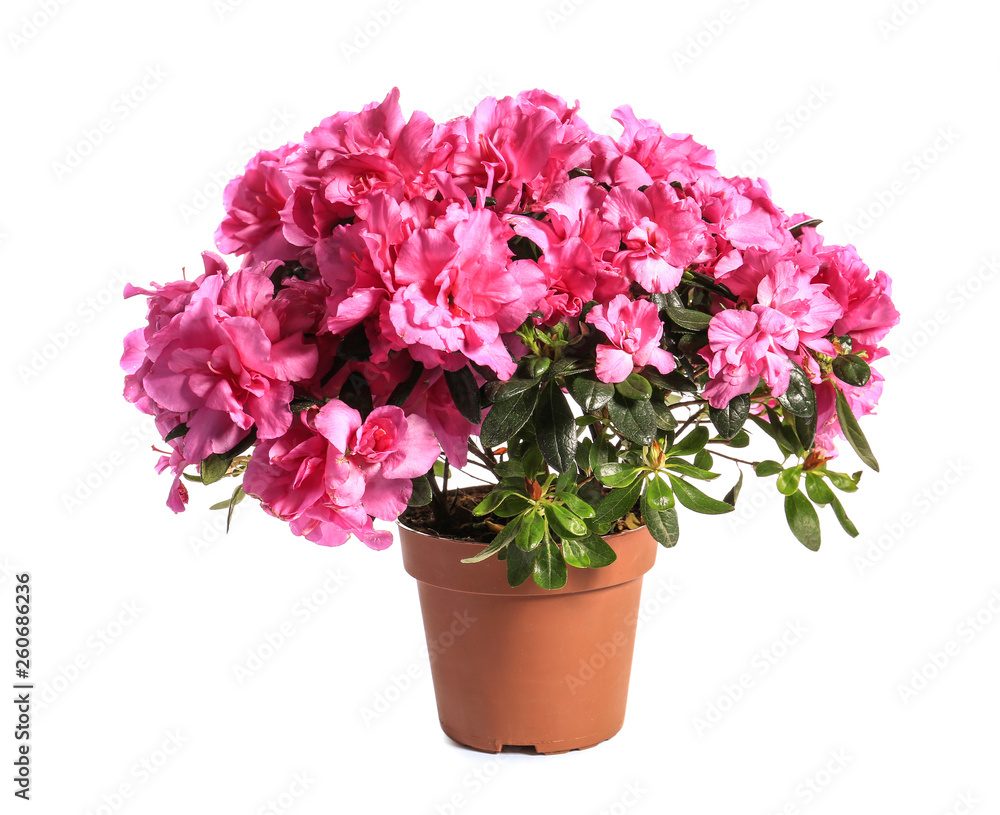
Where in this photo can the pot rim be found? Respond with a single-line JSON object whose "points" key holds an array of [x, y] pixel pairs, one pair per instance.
{"points": [[441, 565]]}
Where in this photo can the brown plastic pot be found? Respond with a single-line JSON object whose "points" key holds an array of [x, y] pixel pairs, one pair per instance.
{"points": [[524, 666]]}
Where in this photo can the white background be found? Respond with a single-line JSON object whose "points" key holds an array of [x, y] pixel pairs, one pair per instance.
{"points": [[879, 118]]}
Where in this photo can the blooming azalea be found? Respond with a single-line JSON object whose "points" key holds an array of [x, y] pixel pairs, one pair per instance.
{"points": [[392, 266], [662, 234], [634, 329]]}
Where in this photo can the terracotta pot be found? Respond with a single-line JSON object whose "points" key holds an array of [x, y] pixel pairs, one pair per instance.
{"points": [[524, 666]]}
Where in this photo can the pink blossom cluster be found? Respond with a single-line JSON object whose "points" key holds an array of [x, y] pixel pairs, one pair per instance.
{"points": [[406, 235]]}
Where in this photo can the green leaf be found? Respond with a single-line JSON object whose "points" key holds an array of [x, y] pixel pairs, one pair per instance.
{"points": [[845, 522], [566, 481], [503, 538], [354, 345], [214, 468], [567, 366], [533, 462], [532, 531], [537, 366], [583, 454], [590, 394], [521, 538], [788, 481], [302, 402], [600, 453], [766, 468], [576, 505], [740, 440], [729, 420], [674, 381], [421, 495], [616, 505], [852, 431], [691, 443], [696, 500], [507, 416], [616, 474], [403, 390], [238, 495], [512, 468], [733, 495], [688, 318], [565, 523], [357, 393], [678, 465], [805, 430], [512, 505], [465, 393], [659, 496], [843, 482], [491, 501], [662, 524], [703, 460], [520, 564], [588, 552], [634, 420], [555, 430], [499, 391], [817, 489], [635, 387], [550, 568], [177, 432], [787, 442], [665, 419], [800, 398], [797, 229], [802, 520], [852, 369]]}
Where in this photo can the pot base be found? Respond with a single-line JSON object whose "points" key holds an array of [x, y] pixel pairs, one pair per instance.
{"points": [[486, 745]]}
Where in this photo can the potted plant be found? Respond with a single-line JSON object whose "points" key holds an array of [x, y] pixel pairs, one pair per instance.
{"points": [[585, 329]]}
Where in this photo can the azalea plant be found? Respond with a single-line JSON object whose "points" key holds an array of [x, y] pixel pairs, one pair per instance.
{"points": [[590, 325]]}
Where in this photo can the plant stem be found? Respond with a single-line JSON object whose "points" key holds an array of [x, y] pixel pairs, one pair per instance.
{"points": [[487, 464], [439, 500], [737, 460], [690, 419]]}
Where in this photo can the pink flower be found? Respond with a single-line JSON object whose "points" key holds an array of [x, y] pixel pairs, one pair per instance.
{"points": [[529, 142], [644, 154], [375, 459], [288, 475], [332, 471], [745, 346], [634, 328], [458, 291], [662, 232], [253, 204], [348, 156], [431, 400], [742, 212], [573, 240], [807, 304], [224, 366], [868, 311]]}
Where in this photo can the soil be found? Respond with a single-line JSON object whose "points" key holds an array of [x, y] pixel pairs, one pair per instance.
{"points": [[461, 524]]}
